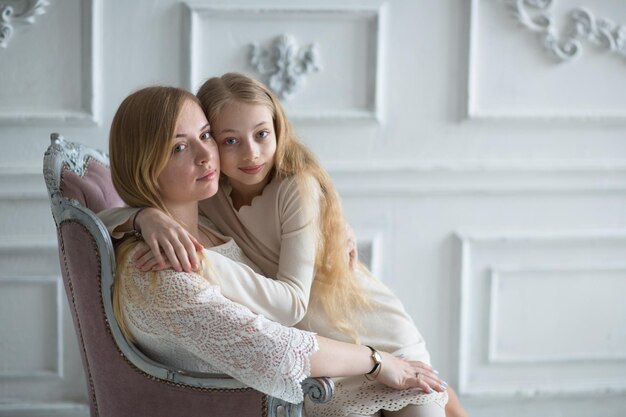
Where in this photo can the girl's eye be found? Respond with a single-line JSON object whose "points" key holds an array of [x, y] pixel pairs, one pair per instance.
{"points": [[206, 136], [179, 147], [263, 134], [230, 141]]}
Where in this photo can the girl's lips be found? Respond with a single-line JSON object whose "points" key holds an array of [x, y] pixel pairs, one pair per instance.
{"points": [[253, 169], [209, 176]]}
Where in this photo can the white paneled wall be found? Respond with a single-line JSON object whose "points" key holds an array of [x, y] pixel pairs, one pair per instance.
{"points": [[49, 70], [350, 77], [485, 176]]}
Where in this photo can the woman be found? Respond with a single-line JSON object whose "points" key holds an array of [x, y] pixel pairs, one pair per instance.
{"points": [[163, 156]]}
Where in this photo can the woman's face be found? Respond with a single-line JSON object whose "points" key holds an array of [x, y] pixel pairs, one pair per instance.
{"points": [[192, 171], [247, 143]]}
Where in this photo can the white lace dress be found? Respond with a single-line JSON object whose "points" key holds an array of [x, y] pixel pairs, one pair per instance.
{"points": [[183, 321]]}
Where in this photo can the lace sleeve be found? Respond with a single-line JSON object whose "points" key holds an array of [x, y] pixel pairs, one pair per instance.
{"points": [[194, 315]]}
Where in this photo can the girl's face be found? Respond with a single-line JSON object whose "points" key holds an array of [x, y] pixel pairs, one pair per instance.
{"points": [[247, 143], [192, 171]]}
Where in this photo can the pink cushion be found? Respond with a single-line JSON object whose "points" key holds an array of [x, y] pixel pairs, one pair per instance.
{"points": [[94, 189]]}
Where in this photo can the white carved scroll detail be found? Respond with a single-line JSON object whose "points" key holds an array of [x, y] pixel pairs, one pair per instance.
{"points": [[285, 64], [8, 16], [582, 25]]}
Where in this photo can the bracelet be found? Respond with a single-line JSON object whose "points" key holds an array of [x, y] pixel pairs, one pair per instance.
{"points": [[378, 364], [136, 232]]}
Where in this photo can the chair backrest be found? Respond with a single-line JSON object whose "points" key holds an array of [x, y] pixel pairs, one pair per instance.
{"points": [[121, 380]]}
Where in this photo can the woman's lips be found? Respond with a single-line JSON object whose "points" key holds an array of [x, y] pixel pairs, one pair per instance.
{"points": [[253, 169], [209, 176]]}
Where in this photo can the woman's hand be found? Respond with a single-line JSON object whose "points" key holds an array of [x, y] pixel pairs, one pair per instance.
{"points": [[400, 373], [162, 233]]}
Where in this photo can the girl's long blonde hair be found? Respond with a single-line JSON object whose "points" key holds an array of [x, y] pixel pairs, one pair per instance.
{"points": [[335, 284], [139, 148]]}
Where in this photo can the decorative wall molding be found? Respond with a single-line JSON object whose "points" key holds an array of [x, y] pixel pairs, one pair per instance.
{"points": [[389, 180], [501, 274], [510, 80], [485, 254], [9, 16], [31, 244], [371, 244], [480, 178], [22, 183], [37, 409], [285, 64], [55, 282], [86, 110], [395, 179], [358, 101], [581, 25]]}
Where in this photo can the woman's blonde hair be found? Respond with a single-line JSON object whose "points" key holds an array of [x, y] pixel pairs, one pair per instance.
{"points": [[139, 148], [335, 284]]}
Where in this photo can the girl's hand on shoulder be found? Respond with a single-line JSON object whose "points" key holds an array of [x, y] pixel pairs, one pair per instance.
{"points": [[399, 373], [169, 243]]}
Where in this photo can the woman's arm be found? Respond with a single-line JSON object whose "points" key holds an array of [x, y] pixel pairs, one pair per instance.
{"points": [[334, 359], [188, 311]]}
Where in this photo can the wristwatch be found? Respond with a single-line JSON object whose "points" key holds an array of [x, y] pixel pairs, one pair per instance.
{"points": [[378, 364]]}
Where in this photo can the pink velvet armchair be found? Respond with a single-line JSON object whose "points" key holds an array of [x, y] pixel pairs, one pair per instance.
{"points": [[121, 380]]}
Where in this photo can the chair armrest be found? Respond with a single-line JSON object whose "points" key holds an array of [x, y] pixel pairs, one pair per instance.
{"points": [[319, 390]]}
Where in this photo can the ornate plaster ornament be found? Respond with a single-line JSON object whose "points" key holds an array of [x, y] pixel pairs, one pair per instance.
{"points": [[8, 16], [285, 64], [581, 26]]}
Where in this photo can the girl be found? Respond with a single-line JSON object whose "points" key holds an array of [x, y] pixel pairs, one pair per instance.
{"points": [[163, 156], [281, 208]]}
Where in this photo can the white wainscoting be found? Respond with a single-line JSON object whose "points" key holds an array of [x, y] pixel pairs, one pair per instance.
{"points": [[58, 83], [534, 316], [32, 308], [61, 409], [486, 178]]}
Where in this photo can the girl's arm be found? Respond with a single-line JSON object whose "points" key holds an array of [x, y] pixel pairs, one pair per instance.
{"points": [[279, 232], [281, 301], [284, 299], [161, 233], [274, 299], [118, 220]]}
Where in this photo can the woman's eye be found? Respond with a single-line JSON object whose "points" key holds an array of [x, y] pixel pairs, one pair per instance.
{"points": [[179, 147], [263, 134], [206, 136], [230, 141]]}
